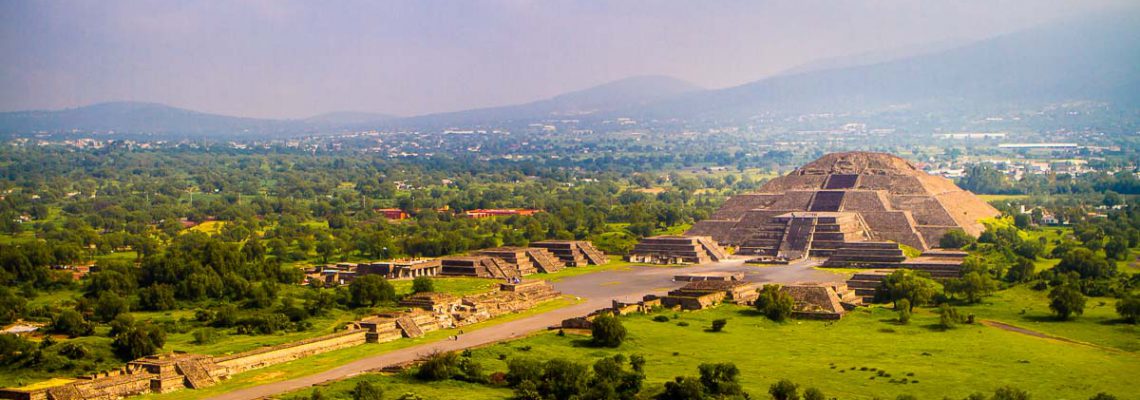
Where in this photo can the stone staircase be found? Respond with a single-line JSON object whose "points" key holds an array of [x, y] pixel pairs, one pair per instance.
{"points": [[797, 238], [409, 327], [593, 255], [544, 260], [196, 375], [865, 284]]}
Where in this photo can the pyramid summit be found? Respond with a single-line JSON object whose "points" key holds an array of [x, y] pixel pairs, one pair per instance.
{"points": [[843, 199]]}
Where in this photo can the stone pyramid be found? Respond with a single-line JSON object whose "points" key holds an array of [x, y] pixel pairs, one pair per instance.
{"points": [[844, 198]]}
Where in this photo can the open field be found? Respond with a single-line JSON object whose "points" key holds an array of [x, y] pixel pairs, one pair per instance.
{"points": [[842, 358]]}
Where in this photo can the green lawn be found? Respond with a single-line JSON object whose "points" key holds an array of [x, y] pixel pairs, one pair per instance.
{"points": [[616, 263], [399, 384], [1026, 308]]}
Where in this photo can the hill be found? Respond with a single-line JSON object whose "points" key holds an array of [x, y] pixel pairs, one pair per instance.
{"points": [[1090, 58], [617, 95], [140, 118]]}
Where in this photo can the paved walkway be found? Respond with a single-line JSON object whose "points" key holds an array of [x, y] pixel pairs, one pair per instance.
{"points": [[597, 288]]}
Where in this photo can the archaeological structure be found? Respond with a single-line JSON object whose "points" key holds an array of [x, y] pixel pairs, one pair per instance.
{"points": [[853, 208]]}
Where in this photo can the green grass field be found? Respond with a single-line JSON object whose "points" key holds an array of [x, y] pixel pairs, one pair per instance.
{"points": [[837, 357], [335, 358]]}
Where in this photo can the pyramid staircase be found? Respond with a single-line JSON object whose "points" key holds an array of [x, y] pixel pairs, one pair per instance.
{"points": [[544, 260], [797, 238], [593, 255], [196, 375], [866, 283], [409, 327]]}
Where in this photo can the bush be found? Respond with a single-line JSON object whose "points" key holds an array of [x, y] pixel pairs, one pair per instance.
{"points": [[439, 367], [370, 291], [784, 390], [157, 298], [365, 390], [661, 318], [607, 331], [903, 309], [423, 284], [775, 303], [948, 316], [109, 306], [813, 394], [718, 324], [205, 335]]}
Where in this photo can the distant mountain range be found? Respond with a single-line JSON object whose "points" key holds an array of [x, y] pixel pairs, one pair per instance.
{"points": [[1089, 58]]}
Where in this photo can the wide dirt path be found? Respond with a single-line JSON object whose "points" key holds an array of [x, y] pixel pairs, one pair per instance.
{"points": [[598, 289]]}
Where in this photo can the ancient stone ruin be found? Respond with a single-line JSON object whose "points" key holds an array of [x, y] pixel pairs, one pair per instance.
{"points": [[821, 301], [698, 295], [169, 372], [677, 250], [574, 253], [528, 260], [479, 266], [854, 207]]}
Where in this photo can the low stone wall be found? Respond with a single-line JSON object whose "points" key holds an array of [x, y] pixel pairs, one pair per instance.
{"points": [[278, 354]]}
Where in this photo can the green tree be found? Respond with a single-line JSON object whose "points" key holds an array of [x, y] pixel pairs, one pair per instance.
{"points": [[72, 324], [1066, 300], [1129, 308], [682, 388], [973, 286], [720, 380], [948, 316], [157, 298], [370, 290], [906, 284], [774, 303], [1086, 263], [955, 239], [718, 324], [607, 331], [138, 341]]}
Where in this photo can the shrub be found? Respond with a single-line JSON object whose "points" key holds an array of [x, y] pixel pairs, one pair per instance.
{"points": [[813, 394], [718, 324], [775, 303], [903, 310], [661, 318], [423, 284], [439, 366], [683, 323], [205, 335], [1010, 393], [365, 390], [607, 331], [721, 379], [784, 390], [948, 316]]}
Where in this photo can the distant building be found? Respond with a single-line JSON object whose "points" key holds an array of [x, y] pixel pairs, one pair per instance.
{"points": [[393, 213], [499, 212]]}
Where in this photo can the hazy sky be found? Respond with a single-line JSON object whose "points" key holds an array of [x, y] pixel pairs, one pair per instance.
{"points": [[286, 59]]}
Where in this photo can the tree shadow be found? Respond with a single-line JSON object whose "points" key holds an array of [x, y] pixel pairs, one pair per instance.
{"points": [[750, 312]]}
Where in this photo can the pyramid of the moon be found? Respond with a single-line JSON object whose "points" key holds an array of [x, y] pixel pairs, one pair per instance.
{"points": [[841, 199]]}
